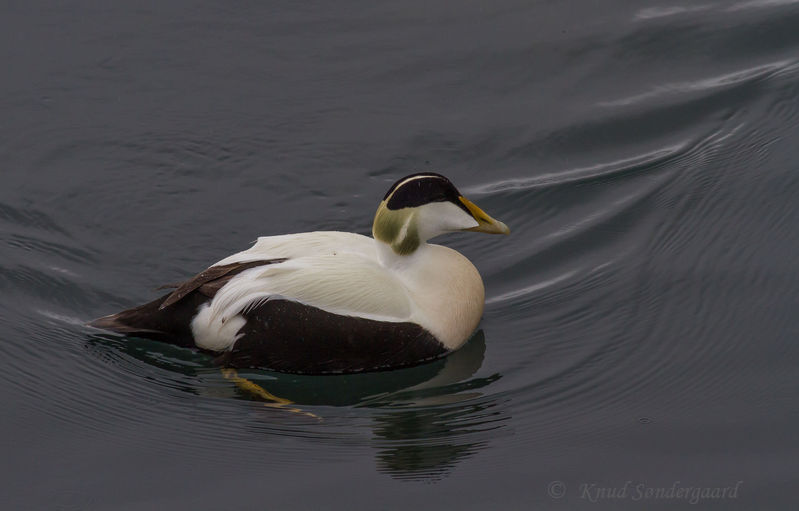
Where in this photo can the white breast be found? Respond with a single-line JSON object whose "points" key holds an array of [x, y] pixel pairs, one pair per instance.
{"points": [[447, 292]]}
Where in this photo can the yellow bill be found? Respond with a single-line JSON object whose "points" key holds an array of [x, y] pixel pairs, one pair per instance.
{"points": [[485, 222]]}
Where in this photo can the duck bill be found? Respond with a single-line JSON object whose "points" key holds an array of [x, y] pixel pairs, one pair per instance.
{"points": [[484, 221]]}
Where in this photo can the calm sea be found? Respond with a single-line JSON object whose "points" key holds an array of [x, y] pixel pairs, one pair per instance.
{"points": [[639, 344]]}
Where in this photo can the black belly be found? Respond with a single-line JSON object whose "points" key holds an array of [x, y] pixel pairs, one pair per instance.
{"points": [[292, 337]]}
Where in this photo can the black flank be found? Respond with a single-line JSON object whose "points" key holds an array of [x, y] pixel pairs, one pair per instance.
{"points": [[291, 337]]}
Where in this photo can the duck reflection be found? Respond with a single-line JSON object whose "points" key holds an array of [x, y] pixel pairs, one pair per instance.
{"points": [[424, 430], [419, 385], [425, 419], [424, 444], [434, 383]]}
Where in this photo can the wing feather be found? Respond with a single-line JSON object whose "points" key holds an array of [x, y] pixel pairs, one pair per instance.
{"points": [[214, 273], [346, 284]]}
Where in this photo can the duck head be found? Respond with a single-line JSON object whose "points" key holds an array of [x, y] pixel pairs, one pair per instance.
{"points": [[422, 206]]}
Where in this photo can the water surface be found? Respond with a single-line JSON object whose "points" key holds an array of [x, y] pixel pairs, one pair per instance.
{"points": [[640, 321]]}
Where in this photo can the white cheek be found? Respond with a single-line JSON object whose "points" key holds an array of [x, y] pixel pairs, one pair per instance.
{"points": [[439, 217]]}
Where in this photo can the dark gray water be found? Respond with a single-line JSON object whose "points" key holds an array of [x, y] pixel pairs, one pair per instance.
{"points": [[638, 349]]}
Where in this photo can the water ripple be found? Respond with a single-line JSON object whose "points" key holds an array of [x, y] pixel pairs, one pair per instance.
{"points": [[26, 217], [438, 410], [759, 4], [721, 82], [649, 13], [599, 171]]}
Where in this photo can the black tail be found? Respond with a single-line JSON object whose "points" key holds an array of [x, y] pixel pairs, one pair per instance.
{"points": [[171, 324], [169, 318]]}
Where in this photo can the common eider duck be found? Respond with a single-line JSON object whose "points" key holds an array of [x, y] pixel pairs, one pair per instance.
{"points": [[334, 302]]}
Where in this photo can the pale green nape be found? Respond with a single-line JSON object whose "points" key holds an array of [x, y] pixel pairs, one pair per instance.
{"points": [[390, 227]]}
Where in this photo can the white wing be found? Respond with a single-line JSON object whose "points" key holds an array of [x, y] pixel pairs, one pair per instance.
{"points": [[305, 244], [333, 271], [343, 284]]}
